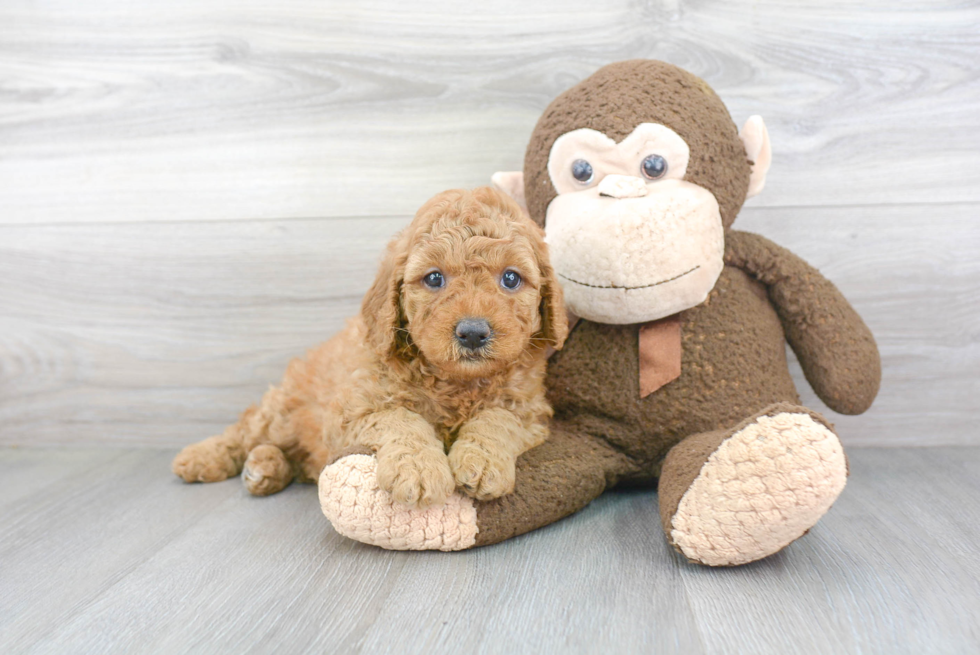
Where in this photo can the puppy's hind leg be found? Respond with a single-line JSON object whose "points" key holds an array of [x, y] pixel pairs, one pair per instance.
{"points": [[216, 458], [221, 457], [266, 471]]}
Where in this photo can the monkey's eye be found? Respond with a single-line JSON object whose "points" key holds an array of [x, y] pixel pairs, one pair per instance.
{"points": [[582, 171], [434, 280], [654, 167], [510, 280]]}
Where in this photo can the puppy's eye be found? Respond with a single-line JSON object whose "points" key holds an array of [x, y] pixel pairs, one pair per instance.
{"points": [[582, 171], [434, 280], [654, 167], [510, 280]]}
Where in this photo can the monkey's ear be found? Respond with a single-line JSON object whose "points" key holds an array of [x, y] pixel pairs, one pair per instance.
{"points": [[511, 183], [755, 138], [381, 308]]}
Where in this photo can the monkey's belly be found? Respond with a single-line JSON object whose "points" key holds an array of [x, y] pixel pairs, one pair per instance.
{"points": [[733, 364]]}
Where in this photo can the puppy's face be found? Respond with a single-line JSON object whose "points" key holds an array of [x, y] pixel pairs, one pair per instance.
{"points": [[471, 300], [475, 289]]}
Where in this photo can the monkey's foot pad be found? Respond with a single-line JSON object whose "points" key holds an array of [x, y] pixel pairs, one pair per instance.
{"points": [[764, 487], [359, 509]]}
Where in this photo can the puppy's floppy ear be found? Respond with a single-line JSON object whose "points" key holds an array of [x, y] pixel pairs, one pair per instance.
{"points": [[554, 320], [381, 308]]}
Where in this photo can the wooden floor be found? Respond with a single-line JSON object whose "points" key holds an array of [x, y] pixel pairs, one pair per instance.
{"points": [[102, 550]]}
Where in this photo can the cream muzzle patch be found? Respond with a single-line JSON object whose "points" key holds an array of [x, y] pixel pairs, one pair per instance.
{"points": [[637, 259]]}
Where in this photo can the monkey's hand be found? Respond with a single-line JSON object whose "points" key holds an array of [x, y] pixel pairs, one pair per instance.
{"points": [[836, 350]]}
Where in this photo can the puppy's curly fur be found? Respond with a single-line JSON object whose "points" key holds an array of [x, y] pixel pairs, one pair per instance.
{"points": [[401, 379]]}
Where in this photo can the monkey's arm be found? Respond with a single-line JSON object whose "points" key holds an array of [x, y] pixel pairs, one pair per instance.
{"points": [[835, 348]]}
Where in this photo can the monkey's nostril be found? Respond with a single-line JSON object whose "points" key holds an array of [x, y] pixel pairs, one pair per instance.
{"points": [[473, 333]]}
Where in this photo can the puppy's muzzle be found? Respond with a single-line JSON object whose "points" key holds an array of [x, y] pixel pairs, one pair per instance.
{"points": [[473, 333]]}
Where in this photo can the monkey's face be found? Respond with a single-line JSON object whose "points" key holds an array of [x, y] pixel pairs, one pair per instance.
{"points": [[630, 239]]}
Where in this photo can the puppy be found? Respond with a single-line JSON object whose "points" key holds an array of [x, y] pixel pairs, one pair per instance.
{"points": [[441, 375]]}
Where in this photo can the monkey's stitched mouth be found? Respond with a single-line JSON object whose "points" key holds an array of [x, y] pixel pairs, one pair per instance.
{"points": [[613, 286]]}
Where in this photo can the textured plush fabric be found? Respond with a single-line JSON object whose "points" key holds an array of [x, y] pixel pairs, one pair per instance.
{"points": [[733, 367], [636, 259], [559, 477], [620, 96], [757, 484], [733, 364], [761, 489], [358, 508], [836, 349]]}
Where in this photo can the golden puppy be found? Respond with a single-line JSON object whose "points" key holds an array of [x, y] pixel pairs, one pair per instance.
{"points": [[441, 375]]}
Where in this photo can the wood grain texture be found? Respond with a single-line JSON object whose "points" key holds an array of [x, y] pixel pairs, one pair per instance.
{"points": [[122, 557], [162, 333], [244, 109], [191, 193]]}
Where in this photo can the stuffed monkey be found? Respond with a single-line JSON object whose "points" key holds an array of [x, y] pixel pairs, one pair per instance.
{"points": [[675, 373]]}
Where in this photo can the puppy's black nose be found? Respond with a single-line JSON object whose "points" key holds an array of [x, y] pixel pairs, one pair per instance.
{"points": [[473, 333]]}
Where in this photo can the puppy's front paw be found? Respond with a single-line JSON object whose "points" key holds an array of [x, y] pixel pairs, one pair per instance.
{"points": [[418, 480], [481, 474]]}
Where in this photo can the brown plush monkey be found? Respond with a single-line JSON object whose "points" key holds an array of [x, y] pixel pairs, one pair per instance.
{"points": [[676, 373]]}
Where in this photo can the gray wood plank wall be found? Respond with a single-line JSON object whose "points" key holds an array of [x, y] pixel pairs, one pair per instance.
{"points": [[193, 192]]}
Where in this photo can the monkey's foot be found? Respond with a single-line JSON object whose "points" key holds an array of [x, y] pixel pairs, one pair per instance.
{"points": [[359, 509], [748, 494]]}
